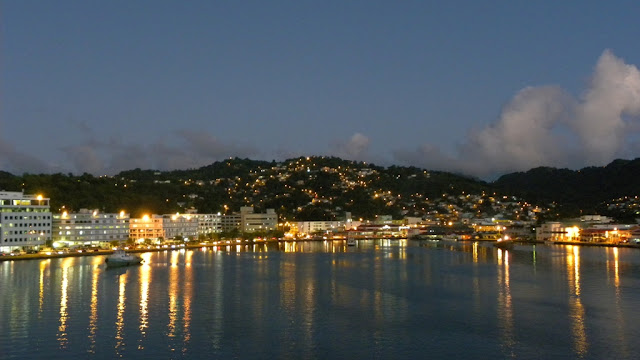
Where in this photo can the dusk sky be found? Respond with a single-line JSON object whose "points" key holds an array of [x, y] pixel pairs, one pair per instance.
{"points": [[476, 87]]}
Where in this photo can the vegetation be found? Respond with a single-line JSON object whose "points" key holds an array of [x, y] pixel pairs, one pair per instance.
{"points": [[324, 188]]}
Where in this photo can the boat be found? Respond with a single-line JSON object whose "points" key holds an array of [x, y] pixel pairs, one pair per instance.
{"points": [[351, 241], [121, 258], [504, 243]]}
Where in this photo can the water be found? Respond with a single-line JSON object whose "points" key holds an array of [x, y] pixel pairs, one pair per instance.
{"points": [[315, 300]]}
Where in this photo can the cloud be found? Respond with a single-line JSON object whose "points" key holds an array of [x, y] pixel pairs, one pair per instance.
{"points": [[85, 158], [355, 148], [186, 149], [613, 95], [17, 162], [546, 126]]}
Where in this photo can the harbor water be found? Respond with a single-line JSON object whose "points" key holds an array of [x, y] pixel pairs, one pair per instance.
{"points": [[380, 299]]}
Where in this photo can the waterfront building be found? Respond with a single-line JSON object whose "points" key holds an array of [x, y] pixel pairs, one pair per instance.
{"points": [[248, 221], [25, 220], [252, 222], [146, 227], [556, 231], [378, 231], [89, 227], [180, 225], [569, 232], [208, 223], [314, 227], [231, 221]]}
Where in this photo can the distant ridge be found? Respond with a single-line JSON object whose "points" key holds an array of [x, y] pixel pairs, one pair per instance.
{"points": [[584, 189]]}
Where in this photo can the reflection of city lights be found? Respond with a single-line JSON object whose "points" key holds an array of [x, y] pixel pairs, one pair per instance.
{"points": [[475, 252], [93, 313], [173, 295], [188, 293], [576, 265], [575, 306], [43, 266], [505, 309], [62, 328], [616, 268], [120, 313], [145, 278]]}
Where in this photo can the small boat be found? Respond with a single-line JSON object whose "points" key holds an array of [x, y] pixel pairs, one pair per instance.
{"points": [[121, 258], [504, 243]]}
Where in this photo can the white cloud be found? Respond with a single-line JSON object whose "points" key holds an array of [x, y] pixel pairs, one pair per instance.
{"points": [[355, 148], [545, 126]]}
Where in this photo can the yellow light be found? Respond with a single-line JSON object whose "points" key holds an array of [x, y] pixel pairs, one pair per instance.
{"points": [[145, 217], [122, 213], [39, 197]]}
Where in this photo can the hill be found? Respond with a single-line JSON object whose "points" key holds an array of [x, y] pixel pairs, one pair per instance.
{"points": [[324, 188], [588, 190], [300, 188]]}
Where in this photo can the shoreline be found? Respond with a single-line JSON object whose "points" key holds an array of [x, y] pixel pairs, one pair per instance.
{"points": [[41, 256]]}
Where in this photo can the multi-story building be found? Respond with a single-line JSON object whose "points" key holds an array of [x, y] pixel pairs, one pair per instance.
{"points": [[252, 222], [248, 221], [553, 231], [89, 227], [209, 223], [156, 227], [185, 226], [146, 227], [231, 221], [25, 220], [312, 227]]}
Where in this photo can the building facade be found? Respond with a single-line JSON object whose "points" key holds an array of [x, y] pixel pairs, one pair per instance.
{"points": [[89, 227], [248, 221], [209, 223], [255, 222], [185, 226], [25, 220], [312, 227], [146, 227]]}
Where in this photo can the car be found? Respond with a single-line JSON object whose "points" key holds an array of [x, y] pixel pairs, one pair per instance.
{"points": [[32, 251]]}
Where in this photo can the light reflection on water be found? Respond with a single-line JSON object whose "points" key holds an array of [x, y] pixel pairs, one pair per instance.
{"points": [[379, 299], [93, 317]]}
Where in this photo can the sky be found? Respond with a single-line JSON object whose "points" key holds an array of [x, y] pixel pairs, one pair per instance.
{"points": [[481, 88]]}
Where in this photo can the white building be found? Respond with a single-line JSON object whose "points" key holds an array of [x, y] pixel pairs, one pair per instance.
{"points": [[156, 227], [311, 227], [25, 220], [89, 227], [180, 225], [556, 231]]}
